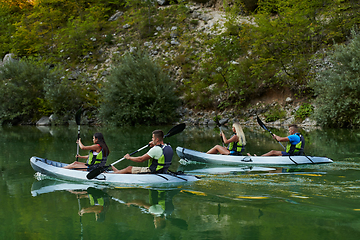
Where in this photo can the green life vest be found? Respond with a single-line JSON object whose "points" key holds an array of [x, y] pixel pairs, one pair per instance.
{"points": [[96, 201], [298, 148], [162, 164], [100, 158], [157, 200], [236, 148]]}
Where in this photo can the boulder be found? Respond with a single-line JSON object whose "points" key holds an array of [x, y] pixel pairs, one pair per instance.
{"points": [[115, 16], [289, 100], [8, 58], [44, 121], [161, 2], [223, 121]]}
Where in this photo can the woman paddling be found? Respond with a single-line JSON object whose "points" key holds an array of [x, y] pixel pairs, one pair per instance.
{"points": [[236, 142], [97, 157]]}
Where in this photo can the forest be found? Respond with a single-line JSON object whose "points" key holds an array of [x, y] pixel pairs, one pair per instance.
{"points": [[162, 58]]}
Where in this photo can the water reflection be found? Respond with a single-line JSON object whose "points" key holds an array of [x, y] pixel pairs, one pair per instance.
{"points": [[209, 169], [98, 202], [160, 206], [159, 202], [316, 200]]}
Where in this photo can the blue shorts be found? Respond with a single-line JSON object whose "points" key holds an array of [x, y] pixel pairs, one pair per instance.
{"points": [[234, 153], [284, 153]]}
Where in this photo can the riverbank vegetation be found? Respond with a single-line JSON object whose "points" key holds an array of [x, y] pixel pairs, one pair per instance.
{"points": [[258, 46]]}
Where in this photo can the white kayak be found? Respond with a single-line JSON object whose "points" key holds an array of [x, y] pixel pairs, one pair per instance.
{"points": [[54, 169], [192, 155]]}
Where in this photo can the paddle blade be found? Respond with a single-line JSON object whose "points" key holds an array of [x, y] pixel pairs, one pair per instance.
{"points": [[78, 116], [175, 130], [96, 172], [261, 123]]}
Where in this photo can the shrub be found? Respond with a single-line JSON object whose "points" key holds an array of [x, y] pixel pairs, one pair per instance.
{"points": [[138, 92], [29, 91], [338, 87], [63, 96], [21, 90], [305, 110], [274, 114]]}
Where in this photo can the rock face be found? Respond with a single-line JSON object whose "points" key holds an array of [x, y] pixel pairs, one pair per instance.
{"points": [[246, 117], [206, 18]]}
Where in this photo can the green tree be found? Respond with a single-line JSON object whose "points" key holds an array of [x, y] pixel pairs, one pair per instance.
{"points": [[61, 28], [7, 17], [138, 92], [338, 87], [64, 96], [30, 90], [285, 36], [21, 91]]}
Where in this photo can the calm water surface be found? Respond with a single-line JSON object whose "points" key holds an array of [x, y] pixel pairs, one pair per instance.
{"points": [[289, 202]]}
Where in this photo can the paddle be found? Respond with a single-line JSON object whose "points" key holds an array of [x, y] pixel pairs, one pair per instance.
{"points": [[97, 171], [175, 130], [77, 119], [265, 128], [222, 139], [219, 125]]}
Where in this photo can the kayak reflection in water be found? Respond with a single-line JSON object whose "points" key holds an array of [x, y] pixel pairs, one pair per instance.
{"points": [[159, 156], [161, 207], [98, 153], [99, 202], [236, 142]]}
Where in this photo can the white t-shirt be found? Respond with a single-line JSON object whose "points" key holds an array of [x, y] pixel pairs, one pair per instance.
{"points": [[155, 152]]}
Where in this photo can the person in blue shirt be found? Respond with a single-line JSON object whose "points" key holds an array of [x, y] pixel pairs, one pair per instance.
{"points": [[295, 143]]}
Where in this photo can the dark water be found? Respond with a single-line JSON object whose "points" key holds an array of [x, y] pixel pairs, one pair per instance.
{"points": [[289, 202]]}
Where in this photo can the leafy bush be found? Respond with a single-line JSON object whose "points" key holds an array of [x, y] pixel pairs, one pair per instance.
{"points": [[338, 87], [305, 110], [274, 114], [29, 91], [63, 96], [21, 91], [138, 92]]}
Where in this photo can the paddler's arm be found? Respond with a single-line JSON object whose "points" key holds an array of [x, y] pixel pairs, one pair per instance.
{"points": [[92, 147], [232, 139], [280, 139], [142, 158], [84, 157]]}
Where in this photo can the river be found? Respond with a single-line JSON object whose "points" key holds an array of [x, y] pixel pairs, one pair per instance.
{"points": [[291, 202]]}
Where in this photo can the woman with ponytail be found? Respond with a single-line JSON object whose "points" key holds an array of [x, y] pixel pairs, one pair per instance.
{"points": [[98, 153], [236, 142]]}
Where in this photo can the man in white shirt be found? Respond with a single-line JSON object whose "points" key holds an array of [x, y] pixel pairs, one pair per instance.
{"points": [[159, 156]]}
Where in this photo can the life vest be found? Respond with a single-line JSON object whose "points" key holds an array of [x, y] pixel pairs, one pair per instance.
{"points": [[158, 202], [99, 158], [96, 201], [162, 164], [297, 149], [236, 148]]}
